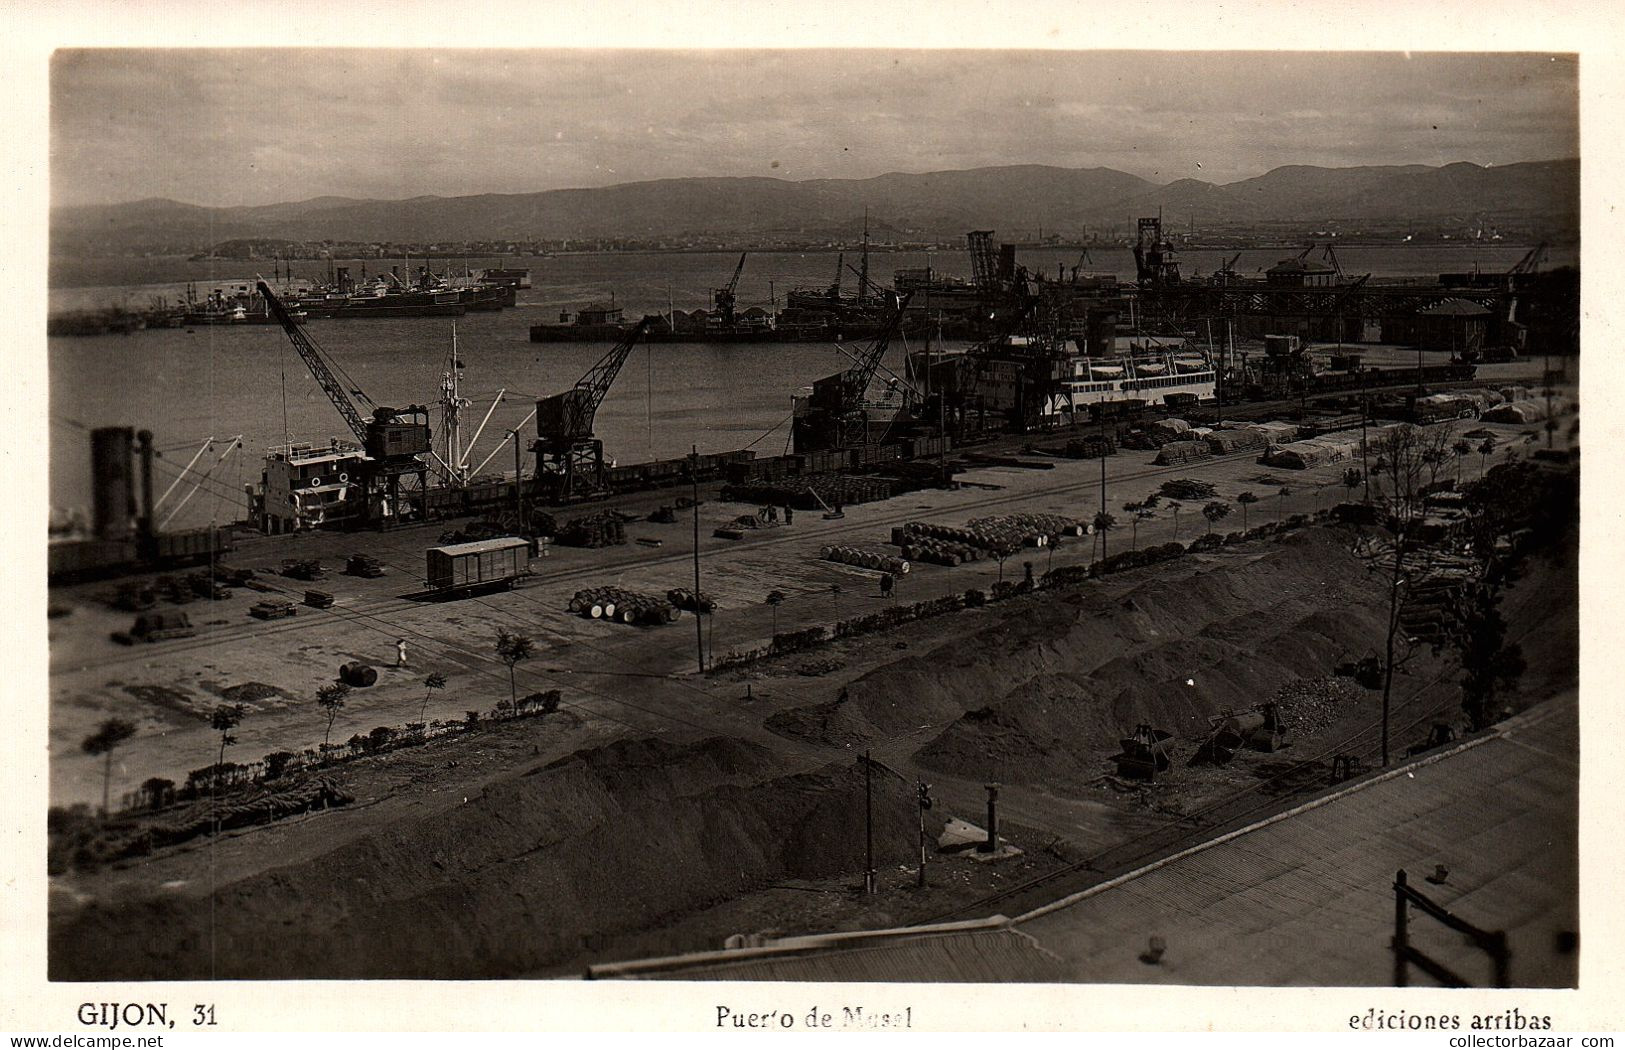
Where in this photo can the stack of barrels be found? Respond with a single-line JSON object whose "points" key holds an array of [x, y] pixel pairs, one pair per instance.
{"points": [[918, 545], [594, 530], [685, 599], [866, 559], [622, 606]]}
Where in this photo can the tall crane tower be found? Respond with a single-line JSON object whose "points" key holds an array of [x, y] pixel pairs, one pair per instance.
{"points": [[569, 459], [722, 299], [395, 440], [836, 415]]}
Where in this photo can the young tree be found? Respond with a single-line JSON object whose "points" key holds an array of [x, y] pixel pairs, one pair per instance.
{"points": [[1280, 503], [225, 718], [512, 650], [436, 681], [1215, 512], [774, 600], [1399, 460], [835, 595], [104, 741], [1485, 449], [1462, 449], [1351, 480], [1133, 510], [1054, 545], [1176, 507], [330, 698], [1103, 524], [1435, 452], [1246, 499]]}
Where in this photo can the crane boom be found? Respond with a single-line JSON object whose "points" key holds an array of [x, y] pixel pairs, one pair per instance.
{"points": [[569, 416], [855, 380], [317, 363], [734, 282]]}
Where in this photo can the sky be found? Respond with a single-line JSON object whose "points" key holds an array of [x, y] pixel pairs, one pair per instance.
{"points": [[261, 126]]}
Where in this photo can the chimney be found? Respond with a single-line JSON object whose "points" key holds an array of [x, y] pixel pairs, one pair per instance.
{"points": [[113, 486], [147, 529]]}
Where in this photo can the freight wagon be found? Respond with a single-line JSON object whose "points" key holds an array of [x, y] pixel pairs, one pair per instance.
{"points": [[464, 568]]}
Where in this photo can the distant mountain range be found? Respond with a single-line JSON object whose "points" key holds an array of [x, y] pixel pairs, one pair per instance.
{"points": [[935, 204]]}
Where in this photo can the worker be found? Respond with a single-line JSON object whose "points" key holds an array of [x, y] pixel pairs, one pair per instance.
{"points": [[789, 514], [400, 652], [886, 583]]}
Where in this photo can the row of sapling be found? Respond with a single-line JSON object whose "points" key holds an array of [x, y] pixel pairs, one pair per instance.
{"points": [[330, 699]]}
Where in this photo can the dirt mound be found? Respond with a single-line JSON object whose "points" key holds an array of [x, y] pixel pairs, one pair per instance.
{"points": [[615, 839], [253, 693], [1055, 683]]}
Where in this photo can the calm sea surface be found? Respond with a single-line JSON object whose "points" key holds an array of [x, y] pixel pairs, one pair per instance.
{"points": [[224, 381]]}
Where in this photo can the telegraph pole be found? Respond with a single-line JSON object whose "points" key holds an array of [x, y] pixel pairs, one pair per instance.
{"points": [[868, 824], [699, 626]]}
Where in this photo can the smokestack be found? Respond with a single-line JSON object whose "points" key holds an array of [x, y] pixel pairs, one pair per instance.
{"points": [[112, 482], [145, 522]]}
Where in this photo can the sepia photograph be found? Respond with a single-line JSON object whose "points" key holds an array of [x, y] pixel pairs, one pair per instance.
{"points": [[972, 516]]}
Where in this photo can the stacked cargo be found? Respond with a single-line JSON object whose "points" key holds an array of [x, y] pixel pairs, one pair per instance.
{"points": [[1009, 531], [1178, 453], [1301, 455], [866, 559], [1093, 446], [603, 529], [1530, 410], [1162, 431], [622, 606], [816, 491], [1276, 432], [920, 543], [689, 601], [1224, 442]]}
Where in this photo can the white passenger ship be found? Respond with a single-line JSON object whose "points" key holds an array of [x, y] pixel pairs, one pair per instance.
{"points": [[1142, 368]]}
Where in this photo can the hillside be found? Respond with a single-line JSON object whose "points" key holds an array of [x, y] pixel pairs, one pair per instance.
{"points": [[933, 204]]}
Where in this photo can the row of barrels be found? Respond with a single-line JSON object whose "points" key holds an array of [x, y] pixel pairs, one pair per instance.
{"points": [[866, 559], [1025, 530], [620, 605]]}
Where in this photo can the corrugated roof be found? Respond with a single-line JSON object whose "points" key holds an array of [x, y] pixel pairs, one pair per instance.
{"points": [[1302, 898], [1308, 899], [501, 543]]}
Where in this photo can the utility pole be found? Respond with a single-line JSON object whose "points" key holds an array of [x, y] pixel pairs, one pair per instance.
{"points": [[923, 796], [868, 825], [699, 627]]}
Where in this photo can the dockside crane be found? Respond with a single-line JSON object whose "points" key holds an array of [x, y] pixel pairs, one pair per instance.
{"points": [[961, 393], [569, 459], [836, 415], [722, 299], [395, 476]]}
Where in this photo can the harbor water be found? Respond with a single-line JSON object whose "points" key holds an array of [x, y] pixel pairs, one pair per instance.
{"points": [[221, 381]]}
